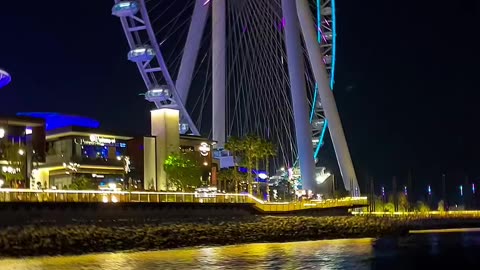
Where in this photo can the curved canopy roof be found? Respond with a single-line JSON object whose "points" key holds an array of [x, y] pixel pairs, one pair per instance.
{"points": [[57, 120]]}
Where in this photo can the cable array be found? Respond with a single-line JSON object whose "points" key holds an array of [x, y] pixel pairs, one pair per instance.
{"points": [[258, 87]]}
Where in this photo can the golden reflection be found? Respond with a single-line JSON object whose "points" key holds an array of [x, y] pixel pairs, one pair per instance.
{"points": [[329, 254]]}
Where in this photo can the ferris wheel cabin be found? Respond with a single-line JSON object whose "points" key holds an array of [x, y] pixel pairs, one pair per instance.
{"points": [[141, 54], [125, 8]]}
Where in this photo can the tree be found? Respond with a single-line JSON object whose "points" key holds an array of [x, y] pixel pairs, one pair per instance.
{"points": [[441, 206], [15, 167], [250, 147], [235, 147], [182, 172], [83, 183], [224, 176], [379, 204], [269, 152], [422, 207], [230, 176], [402, 202]]}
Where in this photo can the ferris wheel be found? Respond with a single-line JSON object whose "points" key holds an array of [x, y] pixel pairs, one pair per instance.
{"points": [[223, 65]]}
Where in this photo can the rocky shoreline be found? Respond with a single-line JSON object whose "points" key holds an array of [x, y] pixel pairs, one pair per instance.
{"points": [[79, 239]]}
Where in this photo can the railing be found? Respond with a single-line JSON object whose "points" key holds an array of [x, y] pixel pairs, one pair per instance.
{"points": [[27, 195], [457, 214]]}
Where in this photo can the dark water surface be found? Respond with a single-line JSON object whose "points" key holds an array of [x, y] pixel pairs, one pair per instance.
{"points": [[424, 251]]}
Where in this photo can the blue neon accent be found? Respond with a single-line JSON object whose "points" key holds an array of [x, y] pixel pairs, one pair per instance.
{"points": [[334, 44], [322, 137], [312, 112], [332, 74], [57, 120], [319, 38]]}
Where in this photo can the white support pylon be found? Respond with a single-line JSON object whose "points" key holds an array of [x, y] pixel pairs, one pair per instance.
{"points": [[219, 45], [296, 71], [192, 46], [326, 96]]}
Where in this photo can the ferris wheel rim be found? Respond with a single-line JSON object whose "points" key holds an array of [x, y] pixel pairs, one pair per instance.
{"points": [[152, 81]]}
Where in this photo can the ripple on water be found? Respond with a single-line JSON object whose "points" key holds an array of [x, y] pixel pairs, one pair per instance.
{"points": [[329, 254]]}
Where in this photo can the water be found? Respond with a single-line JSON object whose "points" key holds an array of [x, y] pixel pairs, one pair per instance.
{"points": [[428, 251]]}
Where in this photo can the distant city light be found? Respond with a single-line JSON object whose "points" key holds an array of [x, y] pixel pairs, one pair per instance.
{"points": [[429, 189], [383, 191], [28, 131], [461, 190], [473, 188], [405, 191]]}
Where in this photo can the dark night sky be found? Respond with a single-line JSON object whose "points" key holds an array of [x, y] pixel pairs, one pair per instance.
{"points": [[407, 78]]}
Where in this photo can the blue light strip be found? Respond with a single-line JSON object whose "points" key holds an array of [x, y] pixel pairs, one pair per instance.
{"points": [[332, 80], [312, 112], [322, 137], [319, 34], [334, 44]]}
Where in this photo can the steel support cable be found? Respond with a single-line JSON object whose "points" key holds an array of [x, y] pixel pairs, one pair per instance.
{"points": [[267, 48], [262, 16]]}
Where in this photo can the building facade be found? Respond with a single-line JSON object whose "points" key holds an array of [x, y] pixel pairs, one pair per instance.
{"points": [[22, 145]]}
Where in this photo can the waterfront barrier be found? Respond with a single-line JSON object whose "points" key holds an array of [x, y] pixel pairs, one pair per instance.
{"points": [[96, 196]]}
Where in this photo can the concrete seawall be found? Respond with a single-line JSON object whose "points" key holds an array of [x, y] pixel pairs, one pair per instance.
{"points": [[23, 213]]}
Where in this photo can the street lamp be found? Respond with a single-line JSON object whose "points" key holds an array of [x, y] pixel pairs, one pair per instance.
{"points": [[2, 133]]}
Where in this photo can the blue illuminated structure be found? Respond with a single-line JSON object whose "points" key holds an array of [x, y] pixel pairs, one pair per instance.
{"points": [[320, 37], [57, 120], [4, 78]]}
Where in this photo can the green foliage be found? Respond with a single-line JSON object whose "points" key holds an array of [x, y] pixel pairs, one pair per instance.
{"points": [[11, 153], [422, 207], [83, 183], [389, 207], [441, 206], [402, 202], [379, 204], [229, 177], [183, 173], [251, 149]]}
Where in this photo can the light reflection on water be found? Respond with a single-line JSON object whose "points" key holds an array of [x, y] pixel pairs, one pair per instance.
{"points": [[329, 254]]}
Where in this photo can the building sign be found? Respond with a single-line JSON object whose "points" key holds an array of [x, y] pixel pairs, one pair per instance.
{"points": [[97, 140], [204, 149]]}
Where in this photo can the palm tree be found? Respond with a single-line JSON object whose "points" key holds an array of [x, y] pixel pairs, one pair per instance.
{"points": [[258, 154], [235, 146], [251, 148], [269, 152]]}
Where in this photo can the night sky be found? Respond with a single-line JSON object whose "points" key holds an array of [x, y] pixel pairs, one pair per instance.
{"points": [[406, 81]]}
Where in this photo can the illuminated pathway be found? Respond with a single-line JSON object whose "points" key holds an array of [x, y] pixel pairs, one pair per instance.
{"points": [[40, 196]]}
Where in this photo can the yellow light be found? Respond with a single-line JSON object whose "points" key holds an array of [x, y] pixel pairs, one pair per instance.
{"points": [[21, 152]]}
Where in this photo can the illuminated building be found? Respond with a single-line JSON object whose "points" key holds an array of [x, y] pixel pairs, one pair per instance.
{"points": [[22, 147], [74, 152], [75, 148], [165, 140]]}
